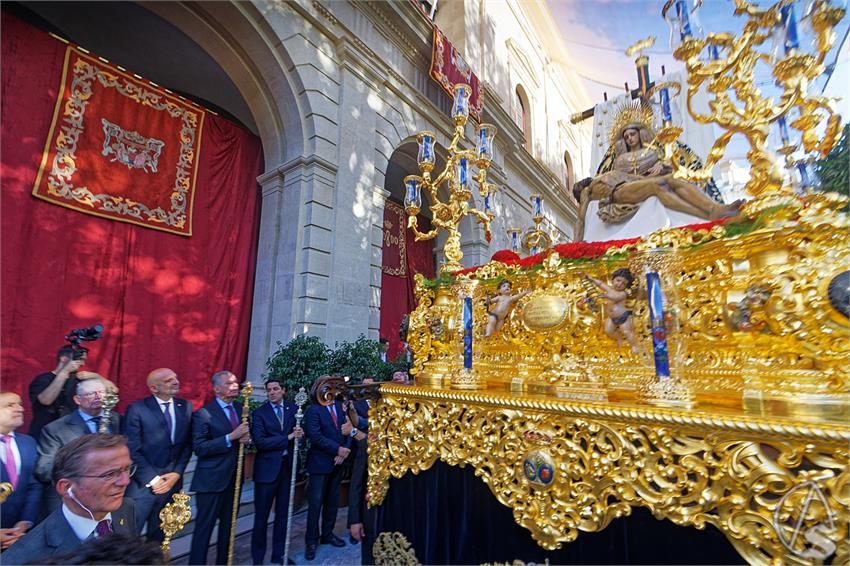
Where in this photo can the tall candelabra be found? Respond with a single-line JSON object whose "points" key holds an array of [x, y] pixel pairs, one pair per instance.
{"points": [[447, 215], [739, 106]]}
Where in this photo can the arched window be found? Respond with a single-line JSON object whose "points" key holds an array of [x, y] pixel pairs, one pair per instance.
{"points": [[522, 116], [569, 173]]}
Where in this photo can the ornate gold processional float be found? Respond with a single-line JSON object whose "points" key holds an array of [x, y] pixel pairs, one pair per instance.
{"points": [[729, 403]]}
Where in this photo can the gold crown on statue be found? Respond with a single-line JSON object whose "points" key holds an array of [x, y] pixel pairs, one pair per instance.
{"points": [[636, 114]]}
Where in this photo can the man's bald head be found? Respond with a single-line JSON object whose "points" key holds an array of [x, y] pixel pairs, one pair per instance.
{"points": [[163, 383]]}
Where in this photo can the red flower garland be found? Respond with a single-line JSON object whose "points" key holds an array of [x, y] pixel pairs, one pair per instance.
{"points": [[577, 250]]}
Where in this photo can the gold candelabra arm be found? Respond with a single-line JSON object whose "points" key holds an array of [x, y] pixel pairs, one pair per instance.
{"points": [[413, 224], [172, 518], [674, 155]]}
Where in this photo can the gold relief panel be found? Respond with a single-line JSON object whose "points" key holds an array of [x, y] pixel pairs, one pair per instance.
{"points": [[567, 467]]}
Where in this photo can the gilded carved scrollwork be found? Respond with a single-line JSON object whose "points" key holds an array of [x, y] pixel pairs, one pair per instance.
{"points": [[754, 311], [565, 467]]}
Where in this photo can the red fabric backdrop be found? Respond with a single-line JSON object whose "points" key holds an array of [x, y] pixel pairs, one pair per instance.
{"points": [[402, 258], [165, 300]]}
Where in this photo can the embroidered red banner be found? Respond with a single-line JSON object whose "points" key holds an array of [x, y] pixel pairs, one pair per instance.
{"points": [[394, 260], [120, 148], [449, 68]]}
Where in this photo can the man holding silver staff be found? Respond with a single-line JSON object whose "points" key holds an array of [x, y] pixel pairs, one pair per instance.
{"points": [[273, 430]]}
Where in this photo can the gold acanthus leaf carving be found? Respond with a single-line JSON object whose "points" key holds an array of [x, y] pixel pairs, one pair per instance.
{"points": [[607, 463]]}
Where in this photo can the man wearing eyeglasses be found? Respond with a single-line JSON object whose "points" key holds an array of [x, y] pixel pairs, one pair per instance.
{"points": [[85, 420], [91, 474]]}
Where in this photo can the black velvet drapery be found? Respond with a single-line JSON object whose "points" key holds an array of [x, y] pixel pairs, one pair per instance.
{"points": [[451, 517]]}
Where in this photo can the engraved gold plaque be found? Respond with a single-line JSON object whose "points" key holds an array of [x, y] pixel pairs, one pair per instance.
{"points": [[544, 312]]}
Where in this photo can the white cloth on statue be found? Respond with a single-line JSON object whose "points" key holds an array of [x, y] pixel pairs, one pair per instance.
{"points": [[650, 216]]}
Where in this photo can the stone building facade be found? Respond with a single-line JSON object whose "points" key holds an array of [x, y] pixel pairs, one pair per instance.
{"points": [[337, 92]]}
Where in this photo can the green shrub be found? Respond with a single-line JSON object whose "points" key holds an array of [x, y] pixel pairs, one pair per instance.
{"points": [[359, 359], [299, 362]]}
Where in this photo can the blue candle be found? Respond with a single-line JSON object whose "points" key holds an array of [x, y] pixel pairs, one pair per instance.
{"points": [[426, 148], [488, 203], [805, 181], [783, 130], [467, 333], [463, 172], [713, 53], [684, 21], [666, 116], [657, 326], [536, 205], [460, 106], [515, 240], [789, 22]]}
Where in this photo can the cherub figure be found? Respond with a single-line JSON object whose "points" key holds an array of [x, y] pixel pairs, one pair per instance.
{"points": [[619, 324], [499, 305]]}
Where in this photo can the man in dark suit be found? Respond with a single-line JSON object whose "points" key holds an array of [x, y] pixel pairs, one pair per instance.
{"points": [[273, 431], [158, 435], [358, 414], [216, 434], [18, 454], [328, 429], [91, 474], [85, 420]]}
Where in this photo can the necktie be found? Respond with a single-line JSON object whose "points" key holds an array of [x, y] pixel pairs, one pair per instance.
{"points": [[96, 422], [168, 422], [333, 415], [234, 422], [103, 528], [278, 410], [11, 464]]}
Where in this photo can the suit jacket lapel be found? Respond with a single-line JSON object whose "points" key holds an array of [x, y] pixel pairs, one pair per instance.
{"points": [[75, 421], [121, 521], [181, 420], [58, 533], [223, 413], [153, 405]]}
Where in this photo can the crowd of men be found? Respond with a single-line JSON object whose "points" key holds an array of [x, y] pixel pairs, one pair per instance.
{"points": [[78, 477]]}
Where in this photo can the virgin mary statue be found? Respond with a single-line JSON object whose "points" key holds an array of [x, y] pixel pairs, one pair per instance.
{"points": [[638, 174]]}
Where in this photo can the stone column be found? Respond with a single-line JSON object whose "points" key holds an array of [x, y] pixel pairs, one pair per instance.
{"points": [[293, 257], [379, 200]]}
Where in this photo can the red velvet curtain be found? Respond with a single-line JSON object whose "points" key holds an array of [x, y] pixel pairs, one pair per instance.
{"points": [[397, 271], [165, 300]]}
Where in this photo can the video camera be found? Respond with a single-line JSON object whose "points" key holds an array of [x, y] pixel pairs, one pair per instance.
{"points": [[74, 337]]}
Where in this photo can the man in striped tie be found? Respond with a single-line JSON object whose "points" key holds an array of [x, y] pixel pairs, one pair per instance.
{"points": [[18, 452], [217, 432]]}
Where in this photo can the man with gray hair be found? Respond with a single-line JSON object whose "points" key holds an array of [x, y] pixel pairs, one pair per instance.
{"points": [[217, 431], [91, 474], [85, 420]]}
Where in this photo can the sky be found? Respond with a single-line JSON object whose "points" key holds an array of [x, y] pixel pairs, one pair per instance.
{"points": [[597, 32]]}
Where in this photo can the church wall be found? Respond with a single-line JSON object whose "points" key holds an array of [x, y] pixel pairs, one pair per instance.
{"points": [[357, 87]]}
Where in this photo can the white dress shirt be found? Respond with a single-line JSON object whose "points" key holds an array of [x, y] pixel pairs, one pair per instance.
{"points": [[83, 527]]}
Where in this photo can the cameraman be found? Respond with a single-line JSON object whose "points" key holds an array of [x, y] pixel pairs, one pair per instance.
{"points": [[52, 393]]}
